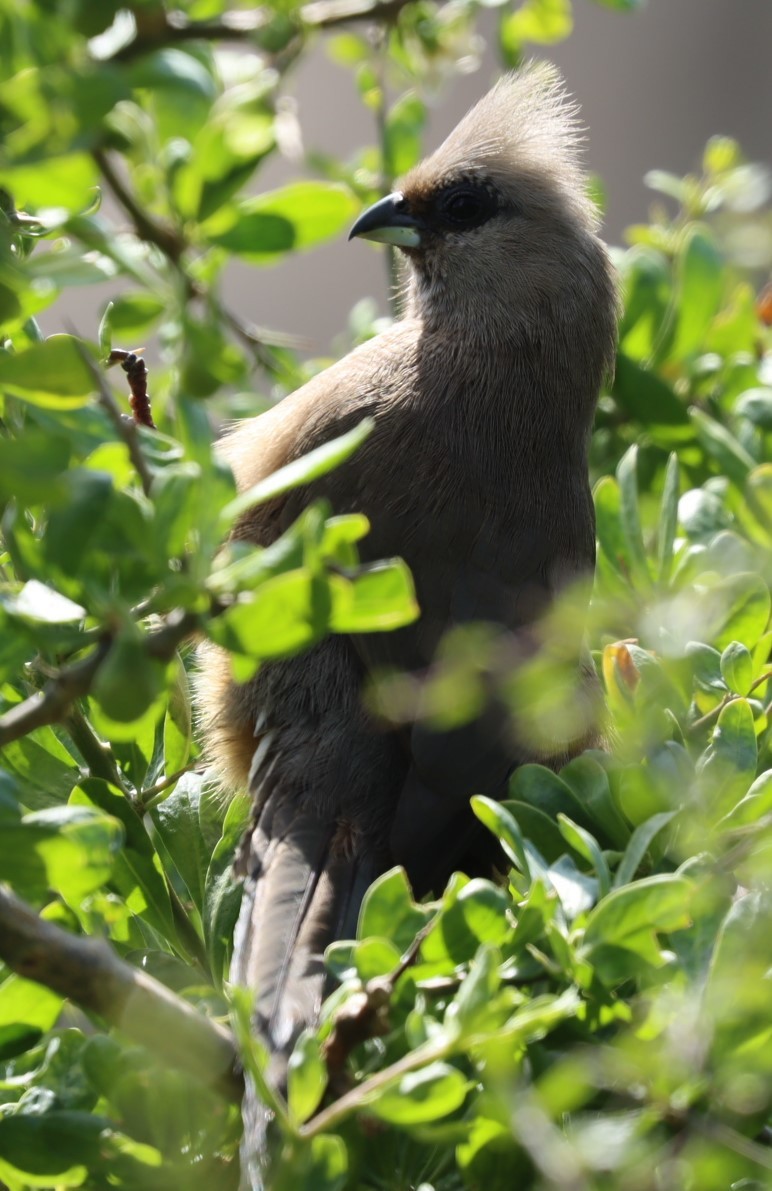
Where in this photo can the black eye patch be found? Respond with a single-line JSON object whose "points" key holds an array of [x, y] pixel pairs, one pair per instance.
{"points": [[463, 206]]}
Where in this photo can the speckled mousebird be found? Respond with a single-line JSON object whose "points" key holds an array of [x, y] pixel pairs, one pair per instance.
{"points": [[476, 473]]}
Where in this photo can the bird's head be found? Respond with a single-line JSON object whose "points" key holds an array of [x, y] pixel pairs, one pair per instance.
{"points": [[497, 224]]}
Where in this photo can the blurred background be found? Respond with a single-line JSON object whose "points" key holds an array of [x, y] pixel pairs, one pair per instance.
{"points": [[653, 86]]}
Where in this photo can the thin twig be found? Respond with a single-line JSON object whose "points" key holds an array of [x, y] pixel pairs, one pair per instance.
{"points": [[165, 237], [89, 973], [715, 712], [358, 1097], [363, 1016], [146, 797]]}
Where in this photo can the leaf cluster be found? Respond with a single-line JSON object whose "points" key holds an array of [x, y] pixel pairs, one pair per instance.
{"points": [[596, 1018]]}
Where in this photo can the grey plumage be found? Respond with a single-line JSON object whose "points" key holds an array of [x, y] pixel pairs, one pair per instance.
{"points": [[476, 473]]}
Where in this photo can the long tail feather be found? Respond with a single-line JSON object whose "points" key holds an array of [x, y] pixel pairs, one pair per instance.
{"points": [[302, 892]]}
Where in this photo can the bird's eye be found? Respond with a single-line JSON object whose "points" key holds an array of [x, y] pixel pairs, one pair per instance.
{"points": [[466, 206]]}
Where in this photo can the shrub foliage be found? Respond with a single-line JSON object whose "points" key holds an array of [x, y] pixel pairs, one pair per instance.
{"points": [[601, 1017]]}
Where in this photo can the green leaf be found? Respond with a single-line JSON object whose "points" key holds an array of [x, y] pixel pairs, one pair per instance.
{"points": [[52, 374], [300, 471], [756, 804], [68, 181], [26, 1006], [472, 1001], [585, 843], [128, 681], [721, 444], [611, 537], [647, 285], [630, 517], [539, 829], [729, 765], [378, 598], [538, 22], [175, 70], [222, 891], [176, 820], [318, 1165], [284, 615], [648, 399], [700, 288], [543, 789], [67, 849], [706, 667], [589, 784], [306, 1077], [134, 313], [31, 466], [628, 918], [61, 1146], [505, 827], [137, 873], [389, 912], [741, 606], [263, 229], [638, 846], [429, 1094], [38, 604], [668, 519], [404, 125], [737, 667], [372, 958]]}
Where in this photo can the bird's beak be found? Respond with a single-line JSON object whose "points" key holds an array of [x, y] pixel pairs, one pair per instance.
{"points": [[389, 221]]}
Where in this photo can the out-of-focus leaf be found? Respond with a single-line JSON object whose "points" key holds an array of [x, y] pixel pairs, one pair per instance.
{"points": [[639, 845], [630, 517], [320, 1165], [263, 229], [729, 766], [668, 519], [404, 125], [137, 873], [70, 850], [300, 471], [722, 445], [429, 1094], [740, 606], [377, 599], [737, 667], [629, 918], [52, 374], [701, 284], [287, 613], [538, 22], [648, 399], [306, 1077]]}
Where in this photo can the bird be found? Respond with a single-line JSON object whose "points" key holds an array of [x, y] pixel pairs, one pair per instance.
{"points": [[482, 395]]}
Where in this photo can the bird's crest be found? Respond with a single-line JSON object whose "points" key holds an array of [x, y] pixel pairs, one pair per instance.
{"points": [[527, 124]]}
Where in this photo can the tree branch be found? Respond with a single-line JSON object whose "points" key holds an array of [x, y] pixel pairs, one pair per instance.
{"points": [[165, 237], [244, 26], [52, 704], [89, 973]]}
